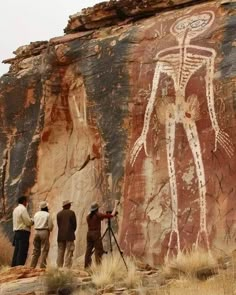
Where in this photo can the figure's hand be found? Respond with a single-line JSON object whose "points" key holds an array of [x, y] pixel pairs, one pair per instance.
{"points": [[139, 143], [224, 140]]}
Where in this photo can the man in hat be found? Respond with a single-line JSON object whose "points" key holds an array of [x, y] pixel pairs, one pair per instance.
{"points": [[43, 226], [66, 221], [21, 227], [94, 233]]}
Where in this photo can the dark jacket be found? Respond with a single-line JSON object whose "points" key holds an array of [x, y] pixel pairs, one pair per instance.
{"points": [[66, 222], [94, 221]]}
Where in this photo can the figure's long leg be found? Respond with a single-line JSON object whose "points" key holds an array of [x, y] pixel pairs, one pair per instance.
{"points": [[170, 137], [193, 139]]}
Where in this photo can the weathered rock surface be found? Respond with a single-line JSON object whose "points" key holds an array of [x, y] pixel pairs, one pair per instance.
{"points": [[115, 12], [22, 280], [141, 109]]}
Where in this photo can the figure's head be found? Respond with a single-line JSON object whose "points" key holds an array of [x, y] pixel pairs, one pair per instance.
{"points": [[94, 207], [66, 204], [23, 200], [43, 206], [192, 25]]}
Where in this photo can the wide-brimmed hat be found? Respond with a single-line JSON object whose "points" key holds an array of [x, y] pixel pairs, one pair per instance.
{"points": [[66, 202], [43, 204], [94, 206]]}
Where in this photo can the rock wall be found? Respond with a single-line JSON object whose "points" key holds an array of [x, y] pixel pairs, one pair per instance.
{"points": [[136, 102]]}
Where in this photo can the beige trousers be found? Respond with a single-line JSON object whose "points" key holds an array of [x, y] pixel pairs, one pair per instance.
{"points": [[65, 253], [41, 247]]}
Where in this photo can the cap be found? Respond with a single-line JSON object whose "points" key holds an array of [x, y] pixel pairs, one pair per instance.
{"points": [[43, 204], [94, 207], [66, 202]]}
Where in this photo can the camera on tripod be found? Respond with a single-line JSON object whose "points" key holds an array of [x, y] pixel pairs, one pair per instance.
{"points": [[111, 234]]}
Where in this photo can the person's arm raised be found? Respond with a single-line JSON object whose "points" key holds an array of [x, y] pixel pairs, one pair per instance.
{"points": [[113, 213]]}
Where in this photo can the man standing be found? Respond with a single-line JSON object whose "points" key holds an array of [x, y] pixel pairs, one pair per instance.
{"points": [[66, 221], [43, 226], [94, 240], [21, 227]]}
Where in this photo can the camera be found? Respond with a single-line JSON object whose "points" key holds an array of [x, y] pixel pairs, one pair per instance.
{"points": [[109, 212]]}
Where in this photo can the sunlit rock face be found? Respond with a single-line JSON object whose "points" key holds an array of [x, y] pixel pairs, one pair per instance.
{"points": [[141, 109]]}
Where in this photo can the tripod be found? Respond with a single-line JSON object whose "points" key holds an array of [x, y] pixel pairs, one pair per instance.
{"points": [[111, 234]]}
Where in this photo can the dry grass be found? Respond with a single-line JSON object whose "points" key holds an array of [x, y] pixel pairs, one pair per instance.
{"points": [[56, 279], [132, 279], [187, 266], [112, 270], [88, 291], [4, 268], [189, 263], [5, 256], [223, 284]]}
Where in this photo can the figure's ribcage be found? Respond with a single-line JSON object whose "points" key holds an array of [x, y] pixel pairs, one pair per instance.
{"points": [[182, 68]]}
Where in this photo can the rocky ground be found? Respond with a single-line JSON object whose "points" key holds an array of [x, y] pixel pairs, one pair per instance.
{"points": [[28, 281]]}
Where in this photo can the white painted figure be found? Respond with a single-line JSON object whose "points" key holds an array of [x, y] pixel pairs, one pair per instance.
{"points": [[180, 62]]}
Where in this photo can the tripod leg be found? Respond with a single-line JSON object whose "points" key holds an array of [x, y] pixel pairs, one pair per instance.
{"points": [[102, 238], [104, 233], [118, 247], [109, 232]]}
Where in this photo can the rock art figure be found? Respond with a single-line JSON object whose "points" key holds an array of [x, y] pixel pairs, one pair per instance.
{"points": [[179, 63]]}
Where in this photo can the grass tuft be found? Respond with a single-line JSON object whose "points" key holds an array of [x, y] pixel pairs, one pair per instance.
{"points": [[112, 270], [57, 280], [191, 264], [132, 279], [217, 285], [5, 256]]}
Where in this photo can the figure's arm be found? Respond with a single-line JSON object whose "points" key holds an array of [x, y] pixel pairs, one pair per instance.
{"points": [[73, 221], [104, 215], [150, 105], [26, 218], [221, 137], [210, 92], [113, 213], [141, 141], [109, 215]]}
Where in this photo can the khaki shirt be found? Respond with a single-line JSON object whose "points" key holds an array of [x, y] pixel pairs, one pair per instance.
{"points": [[42, 220], [21, 219]]}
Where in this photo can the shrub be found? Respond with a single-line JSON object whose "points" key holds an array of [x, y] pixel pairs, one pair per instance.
{"points": [[112, 269], [5, 256], [191, 264], [218, 285], [60, 281]]}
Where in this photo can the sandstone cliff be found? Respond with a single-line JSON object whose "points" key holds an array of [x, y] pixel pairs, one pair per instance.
{"points": [[137, 102]]}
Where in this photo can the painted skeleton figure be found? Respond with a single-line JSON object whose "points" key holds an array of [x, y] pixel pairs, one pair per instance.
{"points": [[180, 63]]}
